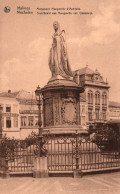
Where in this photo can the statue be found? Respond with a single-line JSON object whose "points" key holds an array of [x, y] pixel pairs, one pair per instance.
{"points": [[58, 60]]}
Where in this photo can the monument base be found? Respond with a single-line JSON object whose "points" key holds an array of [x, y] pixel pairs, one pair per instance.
{"points": [[64, 130], [61, 106]]}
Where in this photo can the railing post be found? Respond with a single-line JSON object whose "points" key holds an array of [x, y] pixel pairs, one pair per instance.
{"points": [[40, 167], [0, 123], [6, 172], [4, 168], [40, 161], [77, 172], [77, 152]]}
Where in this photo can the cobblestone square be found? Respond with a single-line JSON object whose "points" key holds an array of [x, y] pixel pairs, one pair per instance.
{"points": [[91, 184]]}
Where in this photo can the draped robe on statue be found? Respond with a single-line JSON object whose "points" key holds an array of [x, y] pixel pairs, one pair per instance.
{"points": [[58, 60]]}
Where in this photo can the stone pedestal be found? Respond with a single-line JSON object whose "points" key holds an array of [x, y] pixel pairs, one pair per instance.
{"points": [[61, 106], [77, 174], [40, 167], [4, 169]]}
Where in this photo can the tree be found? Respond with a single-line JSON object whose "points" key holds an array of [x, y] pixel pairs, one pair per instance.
{"points": [[107, 137]]}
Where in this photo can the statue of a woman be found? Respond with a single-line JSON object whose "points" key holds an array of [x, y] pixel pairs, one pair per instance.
{"points": [[58, 60]]}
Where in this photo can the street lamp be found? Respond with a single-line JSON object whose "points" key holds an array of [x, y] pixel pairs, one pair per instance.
{"points": [[38, 94], [41, 150]]}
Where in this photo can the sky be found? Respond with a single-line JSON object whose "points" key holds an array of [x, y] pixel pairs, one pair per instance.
{"points": [[92, 39]]}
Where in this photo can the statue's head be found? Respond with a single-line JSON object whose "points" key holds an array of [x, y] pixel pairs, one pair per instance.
{"points": [[56, 25]]}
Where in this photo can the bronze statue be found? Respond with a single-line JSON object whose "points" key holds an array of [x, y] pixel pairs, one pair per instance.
{"points": [[58, 60]]}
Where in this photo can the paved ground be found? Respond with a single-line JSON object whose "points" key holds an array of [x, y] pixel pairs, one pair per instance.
{"points": [[90, 184]]}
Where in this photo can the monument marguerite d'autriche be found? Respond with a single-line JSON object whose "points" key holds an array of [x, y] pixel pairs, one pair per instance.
{"points": [[61, 95]]}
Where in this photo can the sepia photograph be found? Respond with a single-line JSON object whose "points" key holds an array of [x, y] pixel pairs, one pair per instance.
{"points": [[59, 96]]}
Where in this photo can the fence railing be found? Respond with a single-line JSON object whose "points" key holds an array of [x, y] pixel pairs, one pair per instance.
{"points": [[68, 153]]}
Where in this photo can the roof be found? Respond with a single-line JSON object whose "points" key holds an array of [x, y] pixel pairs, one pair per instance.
{"points": [[85, 70], [27, 101], [22, 96], [115, 121], [6, 94], [114, 104]]}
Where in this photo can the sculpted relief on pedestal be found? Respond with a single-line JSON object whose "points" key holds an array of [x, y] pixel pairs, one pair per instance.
{"points": [[68, 111], [48, 112], [56, 111]]}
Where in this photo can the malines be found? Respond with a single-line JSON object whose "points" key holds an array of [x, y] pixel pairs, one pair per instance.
{"points": [[23, 8]]}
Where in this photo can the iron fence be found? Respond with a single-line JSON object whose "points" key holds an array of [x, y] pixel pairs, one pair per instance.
{"points": [[78, 152], [67, 154], [60, 154], [19, 153]]}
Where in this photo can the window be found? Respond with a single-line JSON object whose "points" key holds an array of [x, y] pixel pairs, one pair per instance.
{"points": [[30, 121], [104, 98], [36, 121], [83, 109], [8, 122], [90, 97], [1, 107], [23, 121], [15, 120], [8, 108], [97, 114], [90, 114], [104, 114], [97, 98], [2, 122]]}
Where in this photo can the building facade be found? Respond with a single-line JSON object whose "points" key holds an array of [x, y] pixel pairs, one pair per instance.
{"points": [[28, 111], [19, 114], [94, 100], [114, 110], [10, 115]]}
